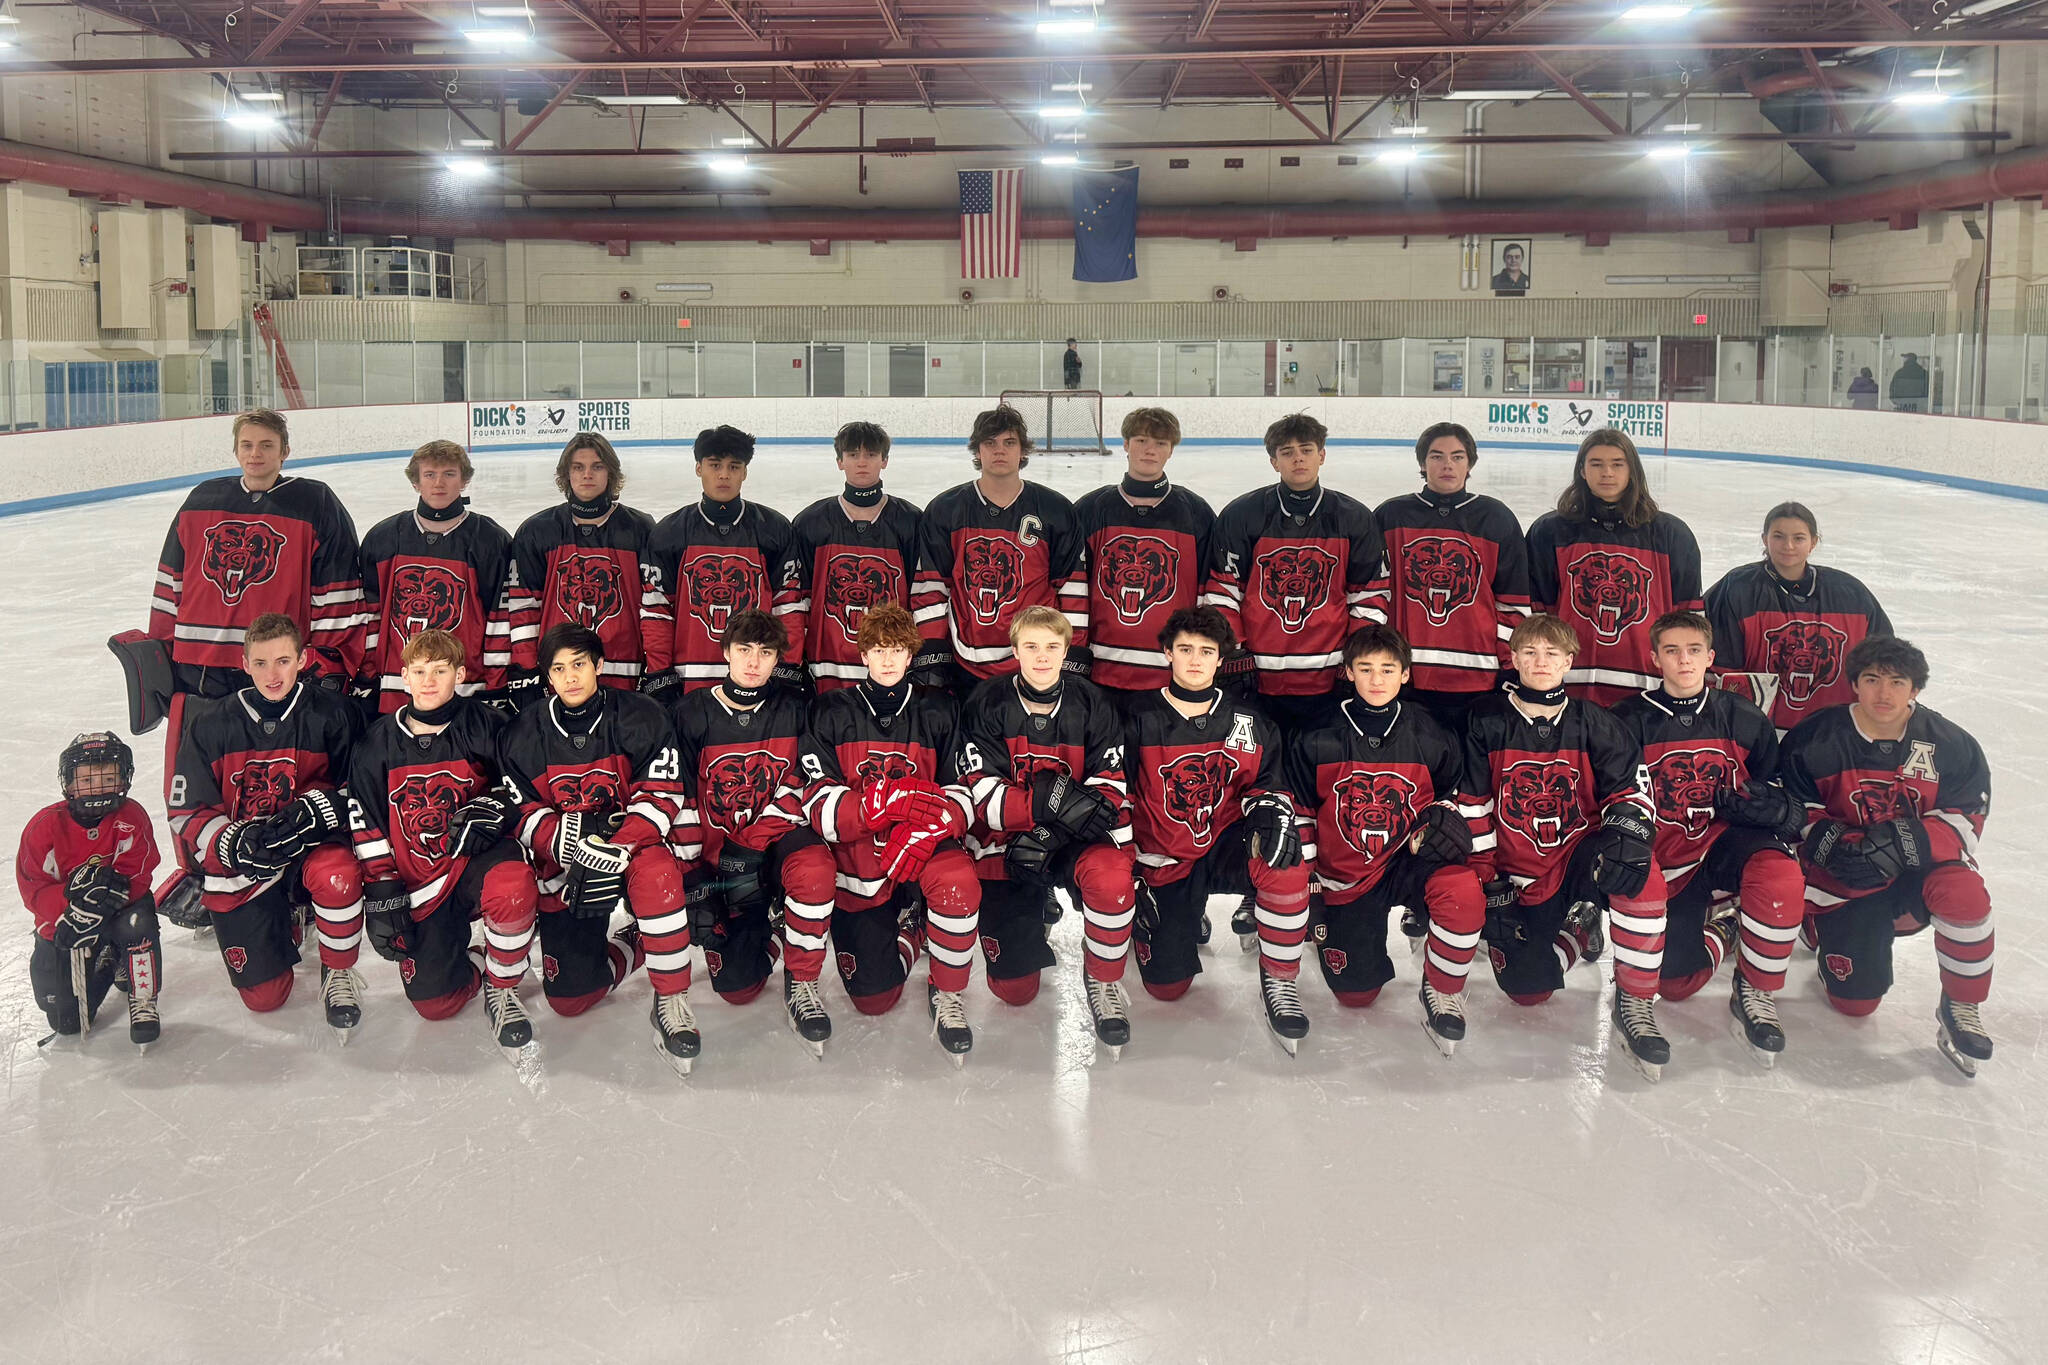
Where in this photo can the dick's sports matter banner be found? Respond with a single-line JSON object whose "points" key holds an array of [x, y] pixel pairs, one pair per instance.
{"points": [[1567, 420], [548, 421]]}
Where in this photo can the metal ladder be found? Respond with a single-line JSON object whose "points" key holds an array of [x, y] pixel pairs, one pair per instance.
{"points": [[287, 379]]}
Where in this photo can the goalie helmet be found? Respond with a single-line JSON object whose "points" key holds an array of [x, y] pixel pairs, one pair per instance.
{"points": [[86, 750]]}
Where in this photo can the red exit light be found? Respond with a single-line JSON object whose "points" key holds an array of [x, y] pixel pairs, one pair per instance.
{"points": [[1699, 319]]}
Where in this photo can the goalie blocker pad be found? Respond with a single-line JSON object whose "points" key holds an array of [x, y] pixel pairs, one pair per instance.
{"points": [[146, 663]]}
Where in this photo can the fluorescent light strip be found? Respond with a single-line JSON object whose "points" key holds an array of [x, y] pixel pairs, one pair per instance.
{"points": [[1065, 28], [1060, 159], [1492, 94], [259, 96], [639, 101], [1074, 87]]}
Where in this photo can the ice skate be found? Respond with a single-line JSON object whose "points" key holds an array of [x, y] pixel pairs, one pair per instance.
{"points": [[804, 1004], [1583, 923], [1110, 1008], [1635, 1019], [1244, 922], [507, 1017], [1202, 931], [1962, 1038], [1753, 1018], [949, 1023], [1283, 1010], [1415, 928], [145, 1023], [675, 1031], [1443, 1018], [341, 996]]}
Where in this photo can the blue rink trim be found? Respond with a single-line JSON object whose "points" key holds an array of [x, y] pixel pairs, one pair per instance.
{"points": [[88, 496]]}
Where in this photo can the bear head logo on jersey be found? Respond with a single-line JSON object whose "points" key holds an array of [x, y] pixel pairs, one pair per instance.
{"points": [[1807, 655], [884, 765], [1609, 592], [719, 585], [589, 589], [1539, 800], [1295, 581], [1135, 574], [240, 555], [1372, 809], [855, 584], [263, 787], [423, 597], [1878, 799], [738, 787], [1442, 575], [597, 791], [1685, 782], [422, 805], [1192, 787], [991, 576]]}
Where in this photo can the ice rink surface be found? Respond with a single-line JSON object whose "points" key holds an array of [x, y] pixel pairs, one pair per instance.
{"points": [[247, 1192]]}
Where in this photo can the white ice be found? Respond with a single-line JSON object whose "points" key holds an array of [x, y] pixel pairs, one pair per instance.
{"points": [[247, 1192]]}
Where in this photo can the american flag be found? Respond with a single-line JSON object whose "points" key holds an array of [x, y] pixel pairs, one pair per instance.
{"points": [[990, 217]]}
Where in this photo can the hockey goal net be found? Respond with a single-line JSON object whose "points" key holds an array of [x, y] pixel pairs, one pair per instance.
{"points": [[1062, 421]]}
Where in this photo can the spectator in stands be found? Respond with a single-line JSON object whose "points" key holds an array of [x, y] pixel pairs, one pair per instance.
{"points": [[1863, 389], [1070, 365], [1909, 386]]}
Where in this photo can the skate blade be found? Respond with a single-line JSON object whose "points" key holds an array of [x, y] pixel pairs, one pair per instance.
{"points": [[1247, 943], [1651, 1071], [1290, 1046], [341, 1035], [1766, 1059], [1447, 1046], [680, 1065], [1965, 1064], [203, 932]]}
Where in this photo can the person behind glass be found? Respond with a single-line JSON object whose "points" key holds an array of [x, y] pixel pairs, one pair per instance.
{"points": [[1607, 563], [1909, 385], [1070, 365], [1863, 390]]}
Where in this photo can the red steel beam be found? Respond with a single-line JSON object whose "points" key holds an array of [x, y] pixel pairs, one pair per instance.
{"points": [[1564, 83], [533, 124], [286, 26]]}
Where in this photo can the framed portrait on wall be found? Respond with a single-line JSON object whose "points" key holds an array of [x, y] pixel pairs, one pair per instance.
{"points": [[1511, 265]]}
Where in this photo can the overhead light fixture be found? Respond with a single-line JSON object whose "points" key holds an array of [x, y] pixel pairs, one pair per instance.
{"points": [[1072, 4], [1399, 156], [1680, 128], [6, 18], [1060, 159], [1409, 130], [259, 96], [1921, 97], [498, 37], [1065, 28], [1655, 14], [735, 142], [505, 11], [726, 165], [1074, 136], [478, 142], [639, 101], [1063, 111], [1074, 87], [1491, 94], [1936, 72], [254, 121], [471, 167], [1671, 151]]}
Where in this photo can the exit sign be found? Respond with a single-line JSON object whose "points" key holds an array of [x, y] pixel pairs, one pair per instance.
{"points": [[682, 322], [1699, 319]]}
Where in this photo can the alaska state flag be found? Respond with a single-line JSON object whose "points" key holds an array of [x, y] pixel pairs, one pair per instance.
{"points": [[1106, 225]]}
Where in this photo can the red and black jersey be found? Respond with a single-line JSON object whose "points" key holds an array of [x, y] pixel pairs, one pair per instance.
{"points": [[1692, 755], [1294, 584], [703, 571], [233, 555], [1610, 580], [1140, 564], [402, 788], [1936, 773], [740, 770], [1359, 792], [54, 845], [1456, 584], [1539, 784], [851, 744], [1003, 747], [615, 753], [1190, 779], [1784, 644], [416, 578], [596, 576], [846, 568], [244, 758], [980, 564]]}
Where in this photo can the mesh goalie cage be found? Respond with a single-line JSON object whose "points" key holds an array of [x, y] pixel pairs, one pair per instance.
{"points": [[1062, 421]]}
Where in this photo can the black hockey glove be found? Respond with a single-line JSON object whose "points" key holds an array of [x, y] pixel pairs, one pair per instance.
{"points": [[1897, 846], [1762, 805], [1441, 835], [387, 919], [501, 702], [1238, 674], [77, 928], [243, 851], [932, 667], [1829, 848], [654, 684], [478, 823], [1621, 851], [1028, 857], [309, 820], [1505, 924], [1070, 811], [332, 682], [739, 875], [1275, 841], [523, 689], [796, 678], [596, 866], [1079, 663], [96, 888]]}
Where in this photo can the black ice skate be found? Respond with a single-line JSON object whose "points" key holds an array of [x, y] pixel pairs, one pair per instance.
{"points": [[1962, 1038], [805, 1006], [1415, 928], [1443, 1018], [145, 1024], [1110, 1008], [1283, 1010], [1583, 923], [341, 995], [1753, 1016], [1244, 922], [1635, 1019], [507, 1017], [675, 1031], [949, 1023]]}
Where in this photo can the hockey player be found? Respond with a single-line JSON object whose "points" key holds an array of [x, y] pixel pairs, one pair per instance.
{"points": [[1042, 756], [1725, 828], [1606, 562], [854, 551], [1293, 569], [432, 832], [739, 742], [583, 563], [713, 559], [1210, 814], [438, 566], [1565, 829], [1456, 582], [84, 869], [1384, 824], [1146, 547], [597, 779], [1786, 625], [874, 759], [258, 814], [1896, 797], [991, 548]]}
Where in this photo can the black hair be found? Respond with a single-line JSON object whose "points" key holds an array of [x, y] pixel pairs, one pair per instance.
{"points": [[1887, 654], [724, 442], [1377, 639], [572, 637], [1295, 426], [1435, 432], [755, 627], [1206, 622], [867, 436]]}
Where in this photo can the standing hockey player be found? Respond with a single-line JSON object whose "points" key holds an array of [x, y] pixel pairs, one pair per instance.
{"points": [[1146, 544], [1386, 824], [258, 813], [854, 552], [1042, 756], [711, 560], [584, 563], [1786, 625], [875, 759], [84, 869], [741, 774], [1896, 797], [1567, 829], [1725, 829], [991, 548], [1457, 578], [1210, 814], [1606, 562], [438, 566], [432, 832], [597, 778]]}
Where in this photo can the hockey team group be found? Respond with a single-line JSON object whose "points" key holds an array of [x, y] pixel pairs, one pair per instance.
{"points": [[880, 733]]}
